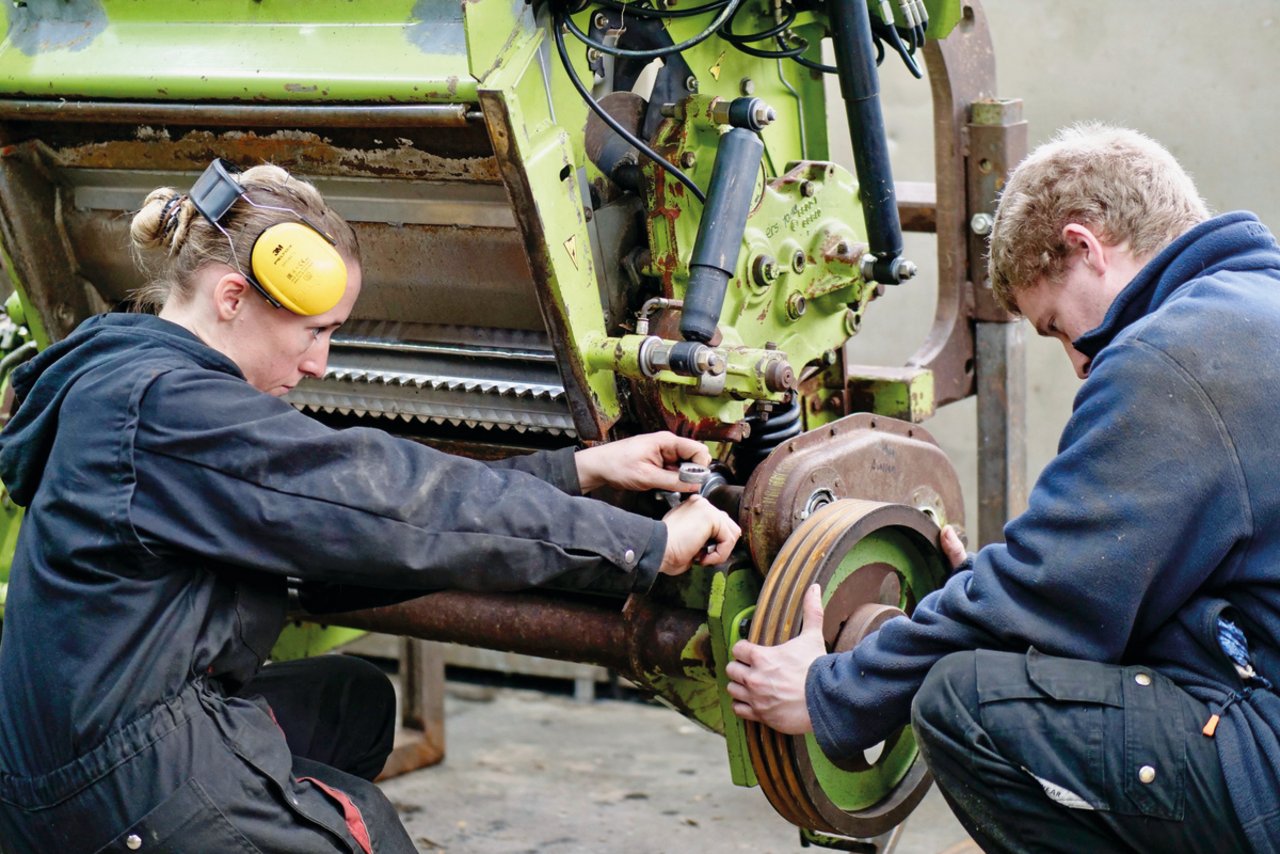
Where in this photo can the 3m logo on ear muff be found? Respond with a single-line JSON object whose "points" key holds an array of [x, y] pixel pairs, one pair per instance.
{"points": [[300, 268], [295, 265]]}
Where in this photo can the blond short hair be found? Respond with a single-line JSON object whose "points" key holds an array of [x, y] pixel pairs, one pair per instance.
{"points": [[1122, 185]]}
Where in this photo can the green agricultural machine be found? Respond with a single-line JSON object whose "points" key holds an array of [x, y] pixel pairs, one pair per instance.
{"points": [[584, 219]]}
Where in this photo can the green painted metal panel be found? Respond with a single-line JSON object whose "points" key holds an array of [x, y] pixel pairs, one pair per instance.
{"points": [[374, 51]]}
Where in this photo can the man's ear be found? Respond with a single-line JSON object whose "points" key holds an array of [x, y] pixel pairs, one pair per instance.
{"points": [[1080, 238], [230, 294]]}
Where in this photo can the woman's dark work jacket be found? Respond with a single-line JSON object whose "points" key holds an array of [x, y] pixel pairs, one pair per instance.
{"points": [[1160, 513], [169, 502]]}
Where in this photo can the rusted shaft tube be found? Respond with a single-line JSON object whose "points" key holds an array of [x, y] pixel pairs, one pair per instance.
{"points": [[240, 115], [629, 640]]}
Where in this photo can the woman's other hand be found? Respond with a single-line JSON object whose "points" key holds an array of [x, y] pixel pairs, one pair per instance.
{"points": [[647, 461], [697, 531]]}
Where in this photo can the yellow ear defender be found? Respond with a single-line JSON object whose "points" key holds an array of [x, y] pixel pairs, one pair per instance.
{"points": [[294, 265], [299, 267]]}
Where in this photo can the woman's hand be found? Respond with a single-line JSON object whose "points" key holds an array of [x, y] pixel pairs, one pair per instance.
{"points": [[697, 530], [648, 461]]}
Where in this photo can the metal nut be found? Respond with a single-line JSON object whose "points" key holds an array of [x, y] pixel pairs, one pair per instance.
{"points": [[747, 86], [796, 306], [981, 224], [688, 159], [798, 261], [1146, 774], [808, 189], [691, 84], [764, 270]]}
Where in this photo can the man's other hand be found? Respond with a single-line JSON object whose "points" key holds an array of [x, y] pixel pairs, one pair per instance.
{"points": [[697, 531], [647, 461], [767, 682], [952, 547]]}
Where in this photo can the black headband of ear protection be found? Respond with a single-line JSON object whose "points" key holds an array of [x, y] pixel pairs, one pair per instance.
{"points": [[217, 189]]}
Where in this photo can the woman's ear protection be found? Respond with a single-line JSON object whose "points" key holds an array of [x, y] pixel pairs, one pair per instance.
{"points": [[294, 265]]}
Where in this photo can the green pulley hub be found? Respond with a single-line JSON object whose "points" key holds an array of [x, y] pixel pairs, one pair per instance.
{"points": [[873, 562]]}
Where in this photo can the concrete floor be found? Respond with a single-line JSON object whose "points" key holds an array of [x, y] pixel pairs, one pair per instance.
{"points": [[528, 771]]}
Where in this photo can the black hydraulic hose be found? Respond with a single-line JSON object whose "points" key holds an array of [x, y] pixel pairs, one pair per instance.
{"points": [[860, 85], [557, 27], [715, 252]]}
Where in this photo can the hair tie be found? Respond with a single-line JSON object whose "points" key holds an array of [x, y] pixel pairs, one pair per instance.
{"points": [[169, 221]]}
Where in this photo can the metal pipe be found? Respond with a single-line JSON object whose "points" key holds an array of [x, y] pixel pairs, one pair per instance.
{"points": [[240, 115], [860, 86], [631, 640]]}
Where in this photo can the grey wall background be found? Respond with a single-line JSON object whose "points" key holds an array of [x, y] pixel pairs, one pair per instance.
{"points": [[1201, 79]]}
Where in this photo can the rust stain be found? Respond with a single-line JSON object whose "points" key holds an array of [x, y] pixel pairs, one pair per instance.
{"points": [[300, 87], [292, 149]]}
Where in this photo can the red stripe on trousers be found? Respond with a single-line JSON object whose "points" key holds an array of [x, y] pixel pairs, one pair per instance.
{"points": [[355, 821]]}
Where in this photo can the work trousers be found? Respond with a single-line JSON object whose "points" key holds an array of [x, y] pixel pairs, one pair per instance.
{"points": [[338, 715], [1046, 754]]}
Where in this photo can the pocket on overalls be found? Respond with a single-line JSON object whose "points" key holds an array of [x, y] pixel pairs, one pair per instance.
{"points": [[1050, 717], [186, 822]]}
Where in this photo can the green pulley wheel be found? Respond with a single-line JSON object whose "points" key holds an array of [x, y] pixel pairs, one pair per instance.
{"points": [[873, 562]]}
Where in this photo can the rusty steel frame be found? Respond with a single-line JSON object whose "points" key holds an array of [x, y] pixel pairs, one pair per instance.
{"points": [[638, 638], [240, 115], [974, 346]]}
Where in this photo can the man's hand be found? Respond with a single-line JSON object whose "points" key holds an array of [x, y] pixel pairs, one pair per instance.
{"points": [[952, 547], [693, 527], [767, 682], [648, 461]]}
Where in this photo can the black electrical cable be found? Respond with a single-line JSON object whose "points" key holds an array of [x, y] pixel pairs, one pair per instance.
{"points": [[557, 23], [736, 39], [889, 33], [786, 53], [639, 11], [657, 52], [809, 63]]}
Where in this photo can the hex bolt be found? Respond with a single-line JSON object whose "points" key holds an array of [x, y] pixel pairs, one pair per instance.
{"points": [[593, 55], [808, 189], [688, 159], [600, 20], [691, 84], [796, 306], [747, 86], [981, 223], [798, 261], [852, 322]]}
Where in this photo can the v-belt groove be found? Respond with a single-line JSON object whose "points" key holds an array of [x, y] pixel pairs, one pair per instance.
{"points": [[777, 752], [791, 579], [772, 768]]}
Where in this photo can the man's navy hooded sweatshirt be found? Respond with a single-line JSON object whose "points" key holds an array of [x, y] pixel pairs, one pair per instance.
{"points": [[1160, 512], [168, 504]]}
